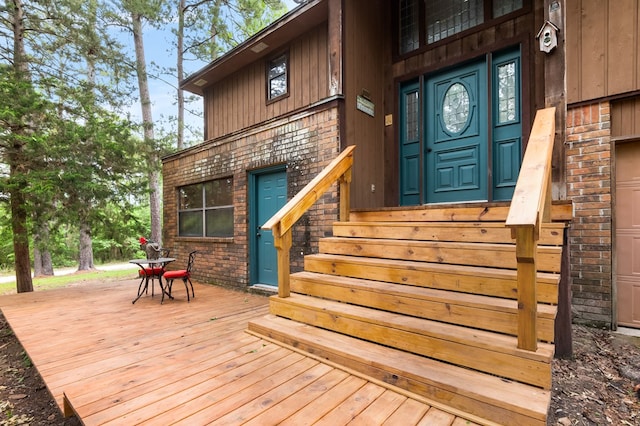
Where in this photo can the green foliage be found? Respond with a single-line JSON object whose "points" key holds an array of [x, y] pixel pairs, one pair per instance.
{"points": [[6, 239], [65, 144], [217, 26], [116, 236]]}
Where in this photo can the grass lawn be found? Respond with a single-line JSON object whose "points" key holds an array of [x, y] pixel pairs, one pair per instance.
{"points": [[47, 283]]}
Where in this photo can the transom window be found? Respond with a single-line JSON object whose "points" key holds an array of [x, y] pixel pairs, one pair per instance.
{"points": [[277, 77], [444, 18], [206, 209]]}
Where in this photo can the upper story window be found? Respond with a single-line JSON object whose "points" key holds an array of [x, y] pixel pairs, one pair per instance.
{"points": [[278, 77], [422, 22], [206, 209], [502, 7], [448, 17], [409, 28]]}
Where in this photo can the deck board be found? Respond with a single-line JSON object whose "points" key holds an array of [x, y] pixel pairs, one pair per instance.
{"points": [[187, 363]]}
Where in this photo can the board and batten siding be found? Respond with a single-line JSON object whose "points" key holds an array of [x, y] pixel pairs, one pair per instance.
{"points": [[625, 118], [239, 101], [603, 48], [365, 38]]}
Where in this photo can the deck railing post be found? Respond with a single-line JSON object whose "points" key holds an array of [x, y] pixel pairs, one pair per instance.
{"points": [[283, 248], [530, 207], [345, 196], [526, 248], [281, 223]]}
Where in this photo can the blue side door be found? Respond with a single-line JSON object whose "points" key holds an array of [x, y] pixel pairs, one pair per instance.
{"points": [[270, 194]]}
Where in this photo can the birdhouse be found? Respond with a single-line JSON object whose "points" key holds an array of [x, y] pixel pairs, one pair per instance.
{"points": [[548, 37]]}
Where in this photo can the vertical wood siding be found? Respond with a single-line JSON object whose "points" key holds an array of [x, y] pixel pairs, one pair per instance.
{"points": [[239, 101], [364, 36], [603, 48], [625, 118]]}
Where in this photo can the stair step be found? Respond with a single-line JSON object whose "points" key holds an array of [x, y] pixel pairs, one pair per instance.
{"points": [[472, 254], [482, 395], [482, 312], [472, 348], [480, 232], [467, 279], [483, 212]]}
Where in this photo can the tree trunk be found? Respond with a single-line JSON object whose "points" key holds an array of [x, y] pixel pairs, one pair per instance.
{"points": [[16, 168], [85, 262], [180, 69], [20, 233], [155, 203], [42, 264], [37, 260], [149, 137]]}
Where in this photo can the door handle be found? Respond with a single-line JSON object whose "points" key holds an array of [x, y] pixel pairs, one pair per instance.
{"points": [[429, 150]]}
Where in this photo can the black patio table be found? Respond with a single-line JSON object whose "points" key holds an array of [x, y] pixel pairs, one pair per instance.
{"points": [[160, 262]]}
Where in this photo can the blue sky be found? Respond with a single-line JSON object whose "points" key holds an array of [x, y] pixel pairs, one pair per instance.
{"points": [[163, 93]]}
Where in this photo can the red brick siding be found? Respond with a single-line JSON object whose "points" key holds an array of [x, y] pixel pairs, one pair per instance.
{"points": [[589, 186], [305, 143]]}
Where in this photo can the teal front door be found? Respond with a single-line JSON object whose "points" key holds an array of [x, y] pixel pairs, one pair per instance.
{"points": [[460, 137], [270, 194], [456, 131]]}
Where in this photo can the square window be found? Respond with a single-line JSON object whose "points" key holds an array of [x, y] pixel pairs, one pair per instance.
{"points": [[206, 209], [277, 77]]}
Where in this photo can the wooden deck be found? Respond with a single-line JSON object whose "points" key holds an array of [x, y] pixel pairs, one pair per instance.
{"points": [[111, 362]]}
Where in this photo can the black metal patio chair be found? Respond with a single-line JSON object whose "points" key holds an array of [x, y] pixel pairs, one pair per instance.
{"points": [[183, 274]]}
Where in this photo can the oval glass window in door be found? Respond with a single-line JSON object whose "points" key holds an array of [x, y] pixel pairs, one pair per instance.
{"points": [[455, 108]]}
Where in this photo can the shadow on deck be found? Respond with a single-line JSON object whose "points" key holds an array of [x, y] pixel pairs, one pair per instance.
{"points": [[110, 362]]}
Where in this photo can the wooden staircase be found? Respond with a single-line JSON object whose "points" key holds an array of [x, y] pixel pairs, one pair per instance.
{"points": [[455, 304], [425, 300]]}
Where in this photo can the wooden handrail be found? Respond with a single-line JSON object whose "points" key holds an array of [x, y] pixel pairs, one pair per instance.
{"points": [[280, 224], [530, 207]]}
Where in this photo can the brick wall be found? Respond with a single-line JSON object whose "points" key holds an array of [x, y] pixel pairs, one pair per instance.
{"points": [[305, 143], [589, 186]]}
